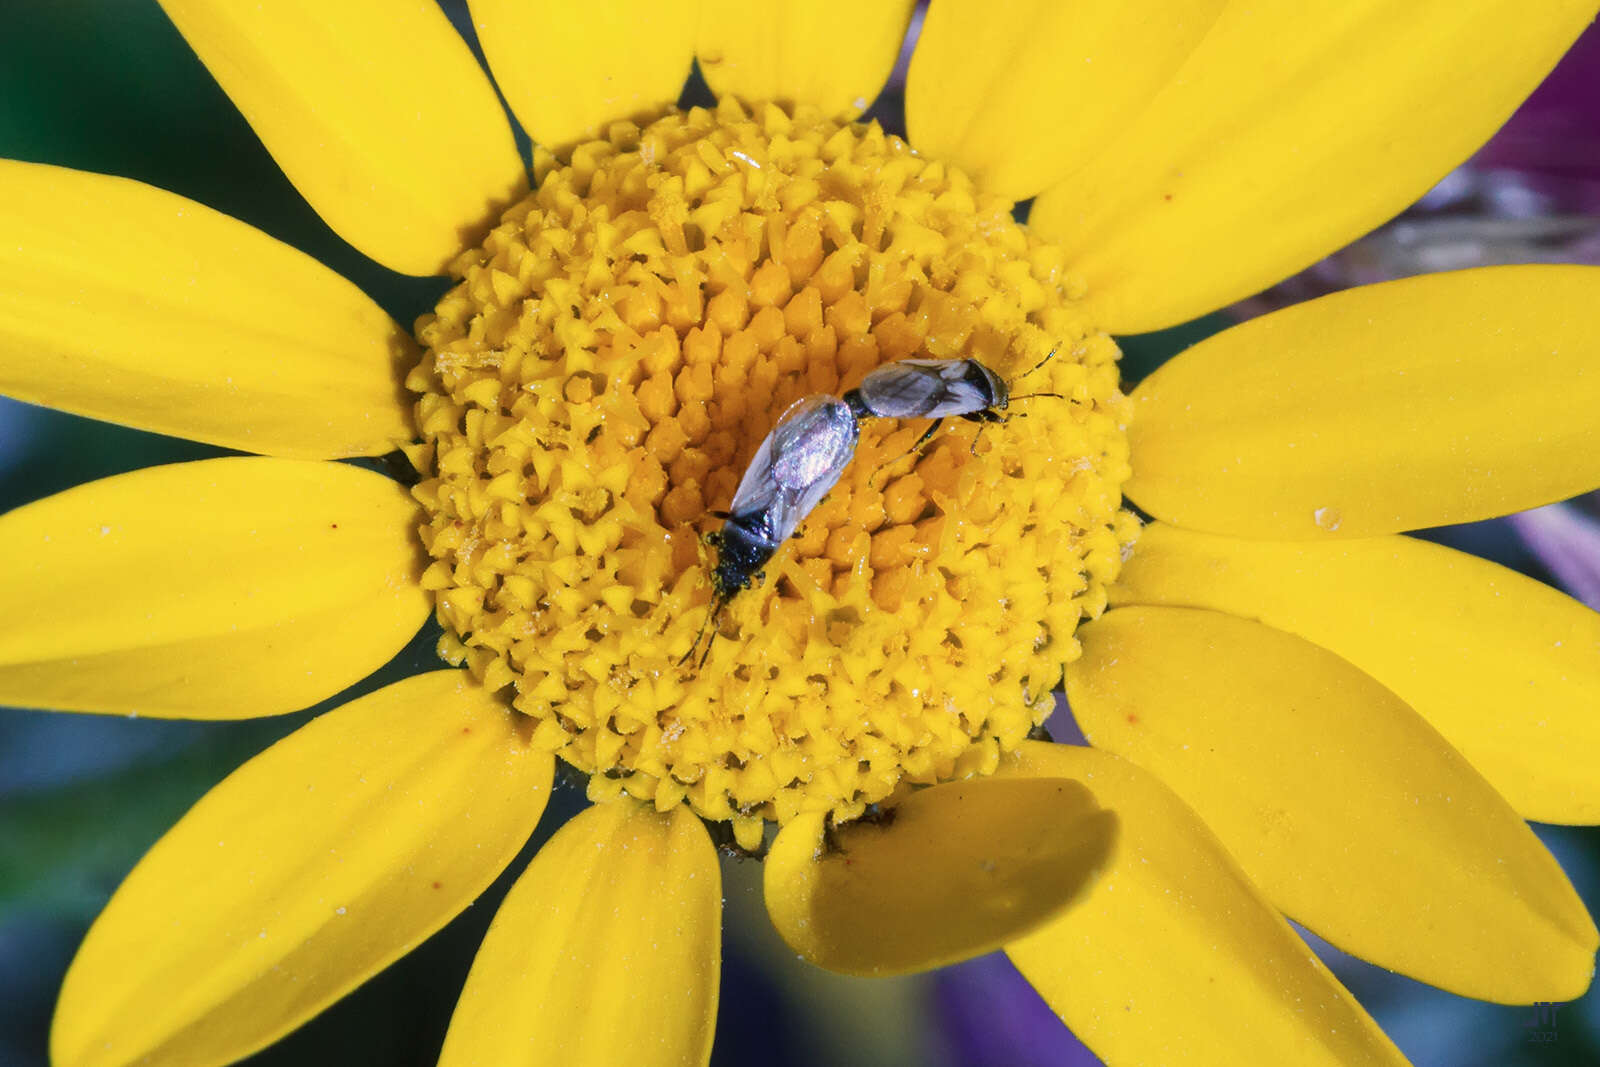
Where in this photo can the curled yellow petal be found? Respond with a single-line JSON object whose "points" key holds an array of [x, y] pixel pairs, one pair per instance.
{"points": [[950, 873], [831, 54], [569, 69], [1349, 811], [986, 76], [1433, 400], [301, 875], [607, 951], [1292, 129], [1173, 955], [126, 303], [376, 111], [1506, 668], [220, 589]]}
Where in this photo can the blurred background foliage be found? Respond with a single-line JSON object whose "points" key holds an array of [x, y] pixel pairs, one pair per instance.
{"points": [[108, 86]]}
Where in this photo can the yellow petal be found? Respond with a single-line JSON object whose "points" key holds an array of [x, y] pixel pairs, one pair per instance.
{"points": [[1291, 130], [376, 111], [952, 872], [1440, 399], [606, 952], [302, 874], [126, 303], [1506, 668], [1340, 802], [986, 75], [831, 54], [570, 69], [1173, 956], [215, 590]]}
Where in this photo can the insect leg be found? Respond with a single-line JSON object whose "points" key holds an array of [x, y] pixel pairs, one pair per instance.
{"points": [[707, 653], [983, 417], [696, 642], [927, 435], [717, 603]]}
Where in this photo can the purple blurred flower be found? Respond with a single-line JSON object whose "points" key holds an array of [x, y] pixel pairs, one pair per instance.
{"points": [[990, 1016], [1566, 539], [1557, 130]]}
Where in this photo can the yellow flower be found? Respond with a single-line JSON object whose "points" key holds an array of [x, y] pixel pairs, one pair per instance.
{"points": [[1295, 711]]}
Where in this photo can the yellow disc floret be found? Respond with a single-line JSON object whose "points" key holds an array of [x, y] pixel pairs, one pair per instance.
{"points": [[596, 384]]}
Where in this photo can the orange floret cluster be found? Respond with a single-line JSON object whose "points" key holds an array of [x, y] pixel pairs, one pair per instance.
{"points": [[596, 383]]}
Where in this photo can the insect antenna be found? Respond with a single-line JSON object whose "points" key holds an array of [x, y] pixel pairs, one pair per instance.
{"points": [[1048, 356], [1030, 396]]}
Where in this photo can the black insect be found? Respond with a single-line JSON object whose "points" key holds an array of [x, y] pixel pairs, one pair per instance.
{"points": [[937, 389], [792, 470]]}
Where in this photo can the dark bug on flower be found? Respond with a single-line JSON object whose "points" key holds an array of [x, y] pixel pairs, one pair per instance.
{"points": [[937, 389], [792, 470]]}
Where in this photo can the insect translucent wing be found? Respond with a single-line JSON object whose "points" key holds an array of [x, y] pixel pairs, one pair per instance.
{"points": [[930, 388], [906, 389], [813, 441], [795, 466]]}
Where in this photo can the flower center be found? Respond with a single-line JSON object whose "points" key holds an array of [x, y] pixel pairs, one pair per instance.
{"points": [[598, 382]]}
